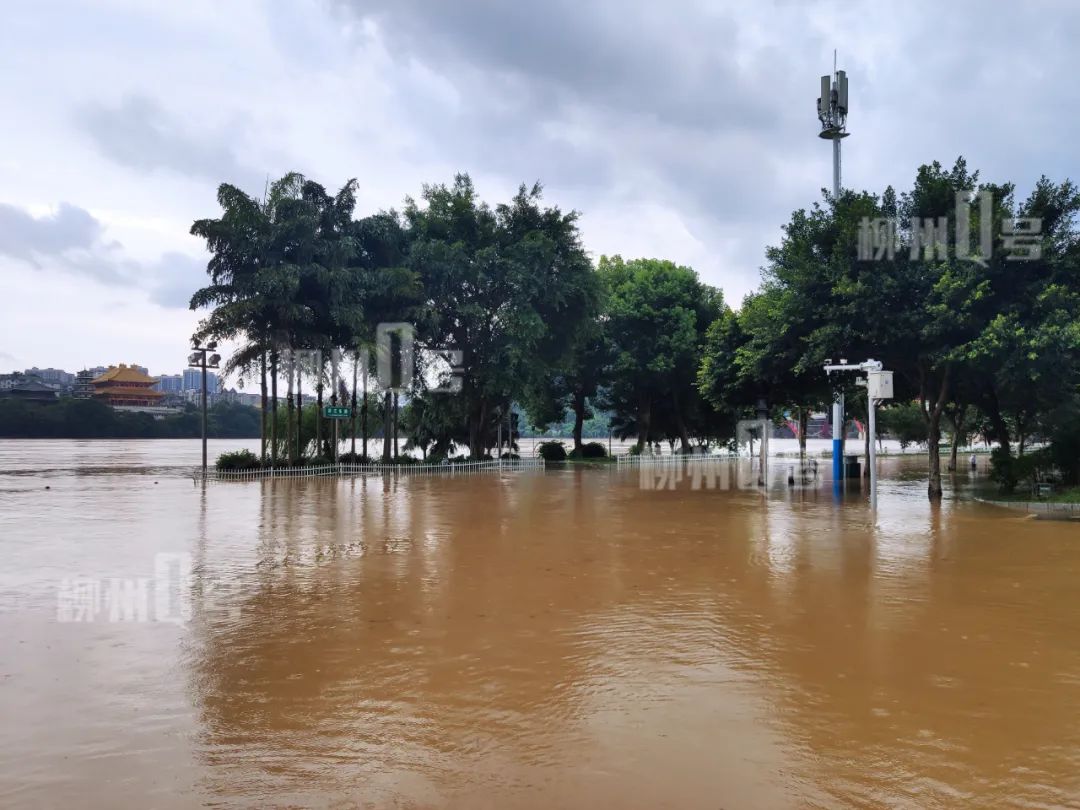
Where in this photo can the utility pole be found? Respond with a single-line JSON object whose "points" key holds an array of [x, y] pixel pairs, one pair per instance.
{"points": [[198, 359], [879, 386], [832, 109]]}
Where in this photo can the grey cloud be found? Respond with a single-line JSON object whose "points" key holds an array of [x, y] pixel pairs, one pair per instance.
{"points": [[141, 134], [32, 239], [710, 112], [633, 57], [635, 99], [73, 241]]}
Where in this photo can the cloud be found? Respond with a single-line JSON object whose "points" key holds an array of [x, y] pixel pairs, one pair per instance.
{"points": [[34, 239], [71, 240], [140, 134]]}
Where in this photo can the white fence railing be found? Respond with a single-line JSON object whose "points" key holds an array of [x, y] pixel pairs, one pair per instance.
{"points": [[635, 461], [351, 470]]}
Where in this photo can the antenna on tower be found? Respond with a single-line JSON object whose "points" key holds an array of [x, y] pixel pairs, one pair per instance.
{"points": [[832, 105]]}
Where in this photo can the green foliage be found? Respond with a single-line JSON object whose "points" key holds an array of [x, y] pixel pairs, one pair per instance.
{"points": [[238, 460], [591, 450], [904, 422], [657, 317], [551, 451], [1010, 471]]}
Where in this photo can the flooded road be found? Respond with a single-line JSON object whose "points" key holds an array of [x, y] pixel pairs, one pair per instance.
{"points": [[576, 638]]}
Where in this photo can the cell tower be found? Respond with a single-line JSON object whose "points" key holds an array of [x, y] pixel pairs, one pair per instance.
{"points": [[832, 109]]}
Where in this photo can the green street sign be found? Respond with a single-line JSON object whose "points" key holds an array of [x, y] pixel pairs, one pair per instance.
{"points": [[337, 412]]}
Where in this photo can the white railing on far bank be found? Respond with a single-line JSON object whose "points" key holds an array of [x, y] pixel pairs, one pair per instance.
{"points": [[347, 470]]}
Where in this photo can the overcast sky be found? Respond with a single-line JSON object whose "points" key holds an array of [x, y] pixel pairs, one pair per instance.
{"points": [[682, 129]]}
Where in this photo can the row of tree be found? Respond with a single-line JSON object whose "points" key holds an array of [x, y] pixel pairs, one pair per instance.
{"points": [[982, 344]]}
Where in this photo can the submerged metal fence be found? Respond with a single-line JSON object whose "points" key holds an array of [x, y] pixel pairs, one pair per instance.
{"points": [[375, 468], [671, 459]]}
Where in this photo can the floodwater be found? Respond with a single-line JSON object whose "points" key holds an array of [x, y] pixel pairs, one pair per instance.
{"points": [[581, 638]]}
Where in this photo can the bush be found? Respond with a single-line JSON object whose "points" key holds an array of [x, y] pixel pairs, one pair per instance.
{"points": [[551, 451], [238, 460], [634, 450], [1009, 471], [353, 458], [593, 450]]}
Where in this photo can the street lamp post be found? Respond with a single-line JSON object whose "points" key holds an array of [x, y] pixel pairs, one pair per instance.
{"points": [[198, 359]]}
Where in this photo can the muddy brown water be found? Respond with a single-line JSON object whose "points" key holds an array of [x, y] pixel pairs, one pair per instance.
{"points": [[572, 638]]}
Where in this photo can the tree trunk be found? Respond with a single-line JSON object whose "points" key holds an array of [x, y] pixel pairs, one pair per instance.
{"points": [[319, 449], [933, 432], [933, 437], [958, 429], [644, 418], [364, 412], [352, 419], [273, 407], [999, 430], [804, 423], [264, 400], [290, 425], [395, 425], [579, 421], [299, 414], [680, 425], [386, 428], [477, 429]]}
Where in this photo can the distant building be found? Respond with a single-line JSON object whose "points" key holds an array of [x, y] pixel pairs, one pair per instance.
{"points": [[84, 384], [192, 381], [126, 386], [241, 398], [55, 377], [29, 390], [170, 383]]}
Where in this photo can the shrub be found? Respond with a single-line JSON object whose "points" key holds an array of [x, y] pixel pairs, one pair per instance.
{"points": [[634, 450], [1009, 471], [593, 450], [238, 460], [551, 451], [353, 458]]}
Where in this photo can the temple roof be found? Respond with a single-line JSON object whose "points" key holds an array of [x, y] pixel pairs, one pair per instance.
{"points": [[124, 374]]}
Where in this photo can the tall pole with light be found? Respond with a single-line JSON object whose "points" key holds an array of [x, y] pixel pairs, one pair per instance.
{"points": [[198, 359], [832, 109]]}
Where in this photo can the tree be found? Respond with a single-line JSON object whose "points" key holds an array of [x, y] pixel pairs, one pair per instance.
{"points": [[501, 284], [658, 314]]}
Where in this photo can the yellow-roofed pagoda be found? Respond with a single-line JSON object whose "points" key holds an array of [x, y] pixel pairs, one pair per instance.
{"points": [[126, 386]]}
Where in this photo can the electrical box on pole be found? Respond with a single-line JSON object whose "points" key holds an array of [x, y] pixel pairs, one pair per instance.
{"points": [[879, 384]]}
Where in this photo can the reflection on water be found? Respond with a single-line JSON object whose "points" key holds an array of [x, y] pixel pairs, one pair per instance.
{"points": [[558, 639]]}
